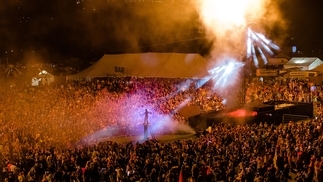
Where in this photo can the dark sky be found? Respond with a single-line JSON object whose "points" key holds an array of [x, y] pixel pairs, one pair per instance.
{"points": [[89, 28], [305, 24]]}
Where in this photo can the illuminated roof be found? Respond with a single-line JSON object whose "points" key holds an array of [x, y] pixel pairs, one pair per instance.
{"points": [[302, 61], [162, 65]]}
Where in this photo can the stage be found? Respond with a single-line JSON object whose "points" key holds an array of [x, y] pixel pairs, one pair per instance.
{"points": [[164, 138], [272, 112]]}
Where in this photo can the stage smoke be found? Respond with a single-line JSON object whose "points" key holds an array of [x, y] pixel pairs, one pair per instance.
{"points": [[122, 120], [167, 125]]}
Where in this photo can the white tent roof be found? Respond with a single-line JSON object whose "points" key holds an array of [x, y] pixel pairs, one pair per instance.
{"points": [[303, 62], [162, 65]]}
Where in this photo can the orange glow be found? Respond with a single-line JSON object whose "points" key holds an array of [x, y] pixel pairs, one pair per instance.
{"points": [[225, 11], [227, 14]]}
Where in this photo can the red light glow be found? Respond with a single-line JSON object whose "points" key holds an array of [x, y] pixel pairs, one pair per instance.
{"points": [[240, 113]]}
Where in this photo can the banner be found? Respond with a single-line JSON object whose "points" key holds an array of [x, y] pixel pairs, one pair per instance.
{"points": [[302, 74], [266, 72]]}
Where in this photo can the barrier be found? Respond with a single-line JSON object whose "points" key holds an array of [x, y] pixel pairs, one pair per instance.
{"points": [[294, 118]]}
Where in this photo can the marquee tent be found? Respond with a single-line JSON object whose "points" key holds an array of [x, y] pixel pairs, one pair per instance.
{"points": [[161, 65], [44, 77], [318, 69], [303, 63]]}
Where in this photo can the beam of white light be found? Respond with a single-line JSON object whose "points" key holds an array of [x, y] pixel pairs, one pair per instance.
{"points": [[182, 104], [263, 38], [219, 81], [249, 43], [226, 75], [216, 70], [267, 41], [267, 48], [263, 56], [224, 82], [219, 70], [248, 47], [185, 85], [274, 46], [255, 59], [229, 69], [254, 37], [228, 80], [203, 81]]}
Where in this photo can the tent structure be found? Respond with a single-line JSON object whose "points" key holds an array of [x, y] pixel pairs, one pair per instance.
{"points": [[283, 55], [161, 65], [44, 77], [303, 63], [318, 69]]}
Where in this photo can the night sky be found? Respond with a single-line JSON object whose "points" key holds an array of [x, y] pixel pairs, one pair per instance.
{"points": [[305, 24], [87, 29]]}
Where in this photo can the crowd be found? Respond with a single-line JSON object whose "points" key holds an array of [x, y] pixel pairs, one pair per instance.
{"points": [[41, 129], [156, 90], [287, 89], [258, 152], [63, 115]]}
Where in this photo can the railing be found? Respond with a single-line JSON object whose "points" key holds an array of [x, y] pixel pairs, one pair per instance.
{"points": [[294, 118]]}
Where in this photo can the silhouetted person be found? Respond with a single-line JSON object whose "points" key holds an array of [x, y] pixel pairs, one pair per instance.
{"points": [[146, 124]]}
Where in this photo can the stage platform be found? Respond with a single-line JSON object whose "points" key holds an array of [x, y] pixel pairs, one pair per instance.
{"points": [[165, 138], [271, 112]]}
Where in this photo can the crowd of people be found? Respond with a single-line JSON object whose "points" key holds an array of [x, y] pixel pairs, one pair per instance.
{"points": [[61, 116], [258, 152], [287, 89], [41, 129]]}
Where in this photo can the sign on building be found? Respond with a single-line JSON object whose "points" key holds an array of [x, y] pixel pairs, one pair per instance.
{"points": [[266, 72], [302, 74]]}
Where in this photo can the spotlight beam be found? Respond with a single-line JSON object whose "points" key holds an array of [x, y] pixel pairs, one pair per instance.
{"points": [[263, 57], [255, 59], [263, 45], [267, 41], [267, 48]]}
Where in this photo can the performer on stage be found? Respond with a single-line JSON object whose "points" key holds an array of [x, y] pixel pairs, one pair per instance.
{"points": [[146, 124]]}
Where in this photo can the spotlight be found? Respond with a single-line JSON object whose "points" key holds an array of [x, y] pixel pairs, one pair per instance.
{"points": [[257, 43], [226, 74]]}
